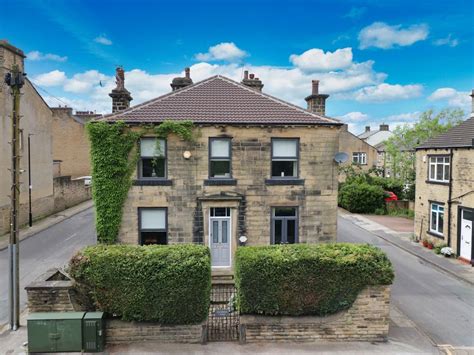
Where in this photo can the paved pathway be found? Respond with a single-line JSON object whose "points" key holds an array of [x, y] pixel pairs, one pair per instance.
{"points": [[438, 303]]}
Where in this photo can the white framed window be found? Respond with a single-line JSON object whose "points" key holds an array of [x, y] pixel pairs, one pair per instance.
{"points": [[220, 158], [152, 164], [439, 168], [285, 156], [359, 158], [436, 218]]}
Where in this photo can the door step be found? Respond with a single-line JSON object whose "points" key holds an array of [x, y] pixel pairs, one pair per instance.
{"points": [[222, 278]]}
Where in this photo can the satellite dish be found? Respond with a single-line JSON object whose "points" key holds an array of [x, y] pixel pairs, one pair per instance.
{"points": [[341, 157]]}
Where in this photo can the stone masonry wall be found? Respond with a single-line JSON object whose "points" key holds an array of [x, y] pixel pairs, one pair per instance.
{"points": [[316, 199], [121, 332], [426, 192], [366, 320], [68, 193]]}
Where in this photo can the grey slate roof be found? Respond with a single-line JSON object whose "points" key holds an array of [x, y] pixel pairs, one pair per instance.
{"points": [[219, 100], [460, 136]]}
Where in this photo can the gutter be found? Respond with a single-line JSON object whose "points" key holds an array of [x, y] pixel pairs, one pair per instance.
{"points": [[450, 192]]}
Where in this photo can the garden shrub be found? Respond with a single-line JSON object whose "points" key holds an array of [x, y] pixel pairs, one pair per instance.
{"points": [[361, 198], [165, 284], [304, 279]]}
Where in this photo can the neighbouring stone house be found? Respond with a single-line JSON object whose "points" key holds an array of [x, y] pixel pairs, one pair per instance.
{"points": [[376, 138], [50, 192], [444, 202], [261, 168], [70, 142], [359, 152]]}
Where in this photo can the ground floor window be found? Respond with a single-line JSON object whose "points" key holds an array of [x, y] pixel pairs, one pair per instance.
{"points": [[284, 225], [437, 218], [153, 226]]}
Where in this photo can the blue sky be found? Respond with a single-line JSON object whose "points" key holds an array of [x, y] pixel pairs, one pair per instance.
{"points": [[381, 61]]}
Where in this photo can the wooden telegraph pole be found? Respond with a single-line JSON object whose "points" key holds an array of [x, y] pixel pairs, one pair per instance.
{"points": [[15, 80]]}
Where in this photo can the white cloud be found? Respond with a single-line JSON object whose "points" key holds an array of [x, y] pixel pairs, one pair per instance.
{"points": [[355, 116], [102, 39], [447, 41], [53, 78], [387, 92], [226, 51], [452, 96], [382, 35], [37, 56], [84, 82], [356, 12], [403, 117], [316, 59]]}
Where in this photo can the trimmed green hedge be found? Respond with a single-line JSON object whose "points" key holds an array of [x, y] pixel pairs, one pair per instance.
{"points": [[361, 198], [165, 284], [305, 279]]}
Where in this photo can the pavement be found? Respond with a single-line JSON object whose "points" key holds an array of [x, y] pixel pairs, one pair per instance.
{"points": [[49, 243], [40, 225], [399, 232]]}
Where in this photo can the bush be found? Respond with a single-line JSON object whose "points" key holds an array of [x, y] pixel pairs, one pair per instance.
{"points": [[166, 284], [304, 279], [361, 198]]}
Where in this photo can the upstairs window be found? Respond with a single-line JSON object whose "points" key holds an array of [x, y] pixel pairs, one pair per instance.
{"points": [[152, 158], [285, 158], [439, 169], [153, 226], [220, 158], [437, 218], [359, 158], [284, 225]]}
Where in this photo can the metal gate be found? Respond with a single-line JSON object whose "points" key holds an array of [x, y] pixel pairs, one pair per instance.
{"points": [[223, 320]]}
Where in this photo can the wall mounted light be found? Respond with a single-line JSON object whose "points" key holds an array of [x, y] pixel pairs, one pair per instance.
{"points": [[186, 154]]}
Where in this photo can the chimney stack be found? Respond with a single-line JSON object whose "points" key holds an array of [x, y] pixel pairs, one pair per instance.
{"points": [[251, 81], [384, 127], [120, 96], [316, 101], [181, 82], [367, 128]]}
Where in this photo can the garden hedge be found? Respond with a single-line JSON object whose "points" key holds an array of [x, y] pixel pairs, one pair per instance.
{"points": [[361, 198], [165, 284], [304, 279]]}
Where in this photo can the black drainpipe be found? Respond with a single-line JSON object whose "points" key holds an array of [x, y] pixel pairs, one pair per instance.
{"points": [[450, 191]]}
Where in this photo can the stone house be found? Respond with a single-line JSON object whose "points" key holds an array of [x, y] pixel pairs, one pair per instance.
{"points": [[444, 202], [262, 170], [50, 192], [376, 138], [359, 152]]}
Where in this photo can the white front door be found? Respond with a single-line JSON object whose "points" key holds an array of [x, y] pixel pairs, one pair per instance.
{"points": [[466, 234], [220, 237]]}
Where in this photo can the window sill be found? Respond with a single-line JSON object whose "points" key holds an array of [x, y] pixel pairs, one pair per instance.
{"points": [[437, 182], [151, 182], [284, 181], [220, 182], [440, 236]]}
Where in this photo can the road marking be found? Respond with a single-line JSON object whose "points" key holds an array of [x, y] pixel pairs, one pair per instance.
{"points": [[71, 236]]}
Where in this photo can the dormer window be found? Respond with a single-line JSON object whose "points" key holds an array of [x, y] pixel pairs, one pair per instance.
{"points": [[152, 164]]}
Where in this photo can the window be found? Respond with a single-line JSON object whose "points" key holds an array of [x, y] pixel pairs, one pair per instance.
{"points": [[153, 226], [220, 212], [439, 169], [152, 158], [437, 218], [220, 158], [285, 158], [359, 158], [284, 225]]}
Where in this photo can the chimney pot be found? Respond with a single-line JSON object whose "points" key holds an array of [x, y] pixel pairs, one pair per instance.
{"points": [[187, 72], [367, 128], [120, 96], [246, 74], [315, 90], [252, 76]]}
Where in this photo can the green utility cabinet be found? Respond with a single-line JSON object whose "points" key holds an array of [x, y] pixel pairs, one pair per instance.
{"points": [[93, 332], [55, 332]]}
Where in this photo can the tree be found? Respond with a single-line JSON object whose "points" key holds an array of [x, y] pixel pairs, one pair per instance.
{"points": [[401, 145]]}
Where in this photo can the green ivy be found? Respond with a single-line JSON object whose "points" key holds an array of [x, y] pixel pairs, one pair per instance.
{"points": [[113, 163]]}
